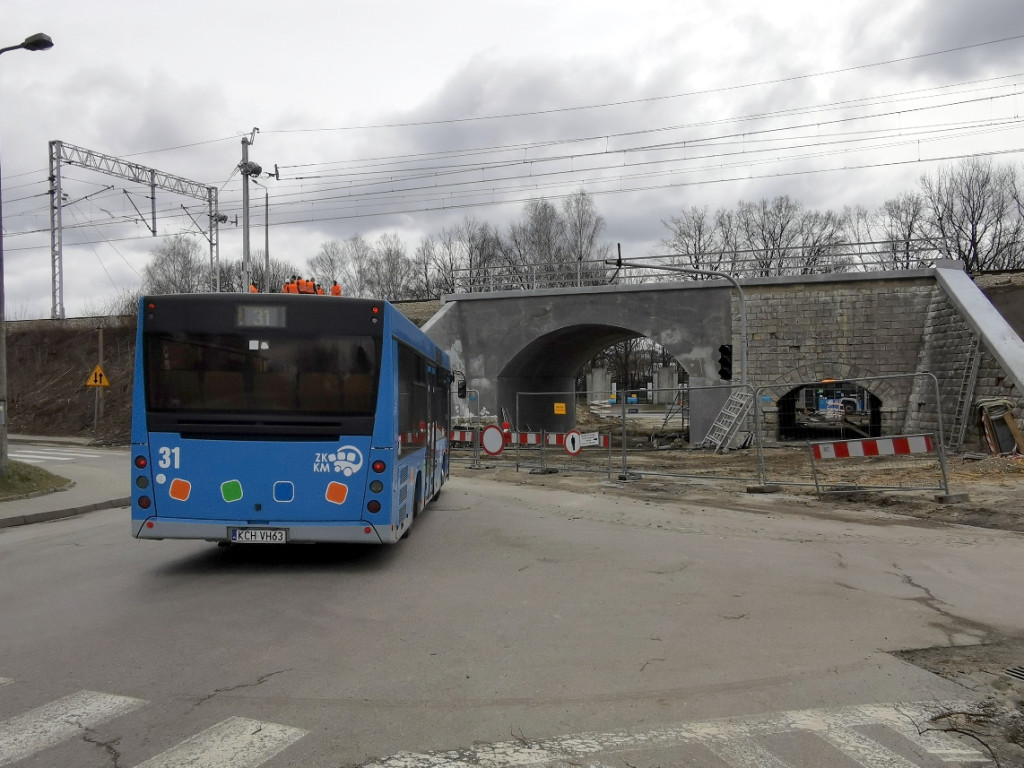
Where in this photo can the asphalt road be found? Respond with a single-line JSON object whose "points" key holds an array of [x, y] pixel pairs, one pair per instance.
{"points": [[515, 626]]}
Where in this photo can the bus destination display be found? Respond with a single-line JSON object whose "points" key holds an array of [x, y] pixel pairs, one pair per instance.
{"points": [[259, 316]]}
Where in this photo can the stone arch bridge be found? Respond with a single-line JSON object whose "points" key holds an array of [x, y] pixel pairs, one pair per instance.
{"points": [[799, 329]]}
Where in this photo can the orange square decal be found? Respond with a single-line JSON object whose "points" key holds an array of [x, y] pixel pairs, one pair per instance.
{"points": [[337, 493], [180, 489]]}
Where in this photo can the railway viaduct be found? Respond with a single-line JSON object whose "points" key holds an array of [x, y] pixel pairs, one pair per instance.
{"points": [[800, 329]]}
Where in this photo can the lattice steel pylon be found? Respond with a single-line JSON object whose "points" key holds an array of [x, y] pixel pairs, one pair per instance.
{"points": [[113, 166]]}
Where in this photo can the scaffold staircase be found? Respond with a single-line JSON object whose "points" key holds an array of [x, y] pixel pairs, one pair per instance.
{"points": [[728, 421], [958, 428]]}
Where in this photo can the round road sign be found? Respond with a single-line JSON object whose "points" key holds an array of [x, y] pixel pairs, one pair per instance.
{"points": [[573, 442], [492, 440]]}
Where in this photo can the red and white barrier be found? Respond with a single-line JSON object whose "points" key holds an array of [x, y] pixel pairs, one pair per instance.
{"points": [[526, 438], [882, 446]]}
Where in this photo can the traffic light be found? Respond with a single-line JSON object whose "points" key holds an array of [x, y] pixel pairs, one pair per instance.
{"points": [[725, 362], [462, 388]]}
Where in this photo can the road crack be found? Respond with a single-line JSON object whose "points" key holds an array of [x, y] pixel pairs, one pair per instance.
{"points": [[952, 624], [89, 736], [228, 689]]}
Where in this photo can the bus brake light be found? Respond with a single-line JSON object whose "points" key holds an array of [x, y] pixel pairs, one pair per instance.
{"points": [[140, 462], [378, 466]]}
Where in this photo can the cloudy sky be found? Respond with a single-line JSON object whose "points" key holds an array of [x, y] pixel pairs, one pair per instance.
{"points": [[405, 116]]}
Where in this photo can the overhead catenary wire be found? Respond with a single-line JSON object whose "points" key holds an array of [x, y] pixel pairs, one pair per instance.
{"points": [[450, 191]]}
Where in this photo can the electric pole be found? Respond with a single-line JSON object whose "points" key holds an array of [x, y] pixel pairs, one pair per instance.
{"points": [[247, 169]]}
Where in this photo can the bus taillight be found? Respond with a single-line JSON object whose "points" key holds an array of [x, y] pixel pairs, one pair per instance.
{"points": [[373, 506], [140, 462], [144, 502], [378, 466]]}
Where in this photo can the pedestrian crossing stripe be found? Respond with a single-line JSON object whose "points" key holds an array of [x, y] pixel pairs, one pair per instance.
{"points": [[36, 457], [58, 721], [732, 740], [234, 743]]}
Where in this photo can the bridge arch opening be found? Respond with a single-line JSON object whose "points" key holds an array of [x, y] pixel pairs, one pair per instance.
{"points": [[829, 410], [537, 387]]}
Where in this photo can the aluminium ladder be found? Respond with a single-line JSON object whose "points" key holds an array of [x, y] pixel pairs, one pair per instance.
{"points": [[965, 398], [728, 421]]}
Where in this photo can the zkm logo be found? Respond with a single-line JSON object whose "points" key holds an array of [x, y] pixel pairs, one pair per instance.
{"points": [[347, 460]]}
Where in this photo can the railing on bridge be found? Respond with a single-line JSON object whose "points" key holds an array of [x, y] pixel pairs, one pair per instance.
{"points": [[874, 256]]}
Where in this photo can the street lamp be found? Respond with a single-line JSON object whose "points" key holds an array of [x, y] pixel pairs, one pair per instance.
{"points": [[36, 42]]}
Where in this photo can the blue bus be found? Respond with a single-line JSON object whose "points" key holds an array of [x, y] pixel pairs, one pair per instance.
{"points": [[274, 418]]}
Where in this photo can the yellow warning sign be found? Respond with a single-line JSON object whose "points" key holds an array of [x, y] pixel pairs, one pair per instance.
{"points": [[97, 378], [560, 409]]}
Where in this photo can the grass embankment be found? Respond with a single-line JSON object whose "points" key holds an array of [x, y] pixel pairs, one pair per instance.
{"points": [[24, 479]]}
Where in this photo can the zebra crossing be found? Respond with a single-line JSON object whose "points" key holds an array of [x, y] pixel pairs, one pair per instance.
{"points": [[48, 455], [236, 742], [871, 736]]}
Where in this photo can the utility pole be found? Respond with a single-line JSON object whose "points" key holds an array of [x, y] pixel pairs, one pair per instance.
{"points": [[247, 169], [266, 241], [99, 390]]}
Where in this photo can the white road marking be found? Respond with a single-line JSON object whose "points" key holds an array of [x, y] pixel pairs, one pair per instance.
{"points": [[233, 743], [926, 736], [59, 721], [30, 456], [740, 752], [733, 740]]}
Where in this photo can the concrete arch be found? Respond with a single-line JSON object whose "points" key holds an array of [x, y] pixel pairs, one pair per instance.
{"points": [[514, 341], [548, 364]]}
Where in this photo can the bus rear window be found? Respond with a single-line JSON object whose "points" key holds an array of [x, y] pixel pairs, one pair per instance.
{"points": [[261, 372]]}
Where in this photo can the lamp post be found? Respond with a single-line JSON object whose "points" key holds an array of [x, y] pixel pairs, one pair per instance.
{"points": [[37, 42]]}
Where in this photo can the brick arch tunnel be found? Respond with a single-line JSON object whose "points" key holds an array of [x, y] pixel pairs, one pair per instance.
{"points": [[542, 375], [829, 410]]}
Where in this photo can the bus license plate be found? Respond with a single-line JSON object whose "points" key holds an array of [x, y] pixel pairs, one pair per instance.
{"points": [[259, 535]]}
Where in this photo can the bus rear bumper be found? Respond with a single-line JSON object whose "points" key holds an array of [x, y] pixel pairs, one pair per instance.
{"points": [[162, 528]]}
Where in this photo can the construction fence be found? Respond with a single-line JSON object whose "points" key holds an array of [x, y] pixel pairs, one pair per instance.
{"points": [[729, 434]]}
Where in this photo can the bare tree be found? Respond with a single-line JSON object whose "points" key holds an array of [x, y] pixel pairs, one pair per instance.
{"points": [[178, 266], [280, 272], [771, 230], [583, 227], [390, 271], [696, 239], [355, 263], [547, 241], [902, 223], [124, 304], [822, 236], [328, 265], [974, 216], [423, 260]]}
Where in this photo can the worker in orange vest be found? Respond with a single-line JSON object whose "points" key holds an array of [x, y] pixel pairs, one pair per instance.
{"points": [[289, 287], [319, 290], [335, 289], [253, 288]]}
